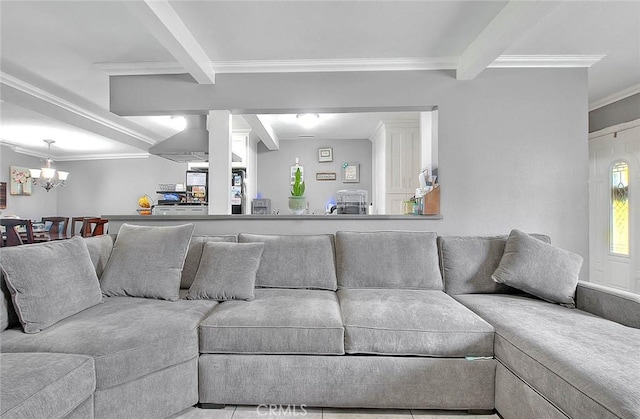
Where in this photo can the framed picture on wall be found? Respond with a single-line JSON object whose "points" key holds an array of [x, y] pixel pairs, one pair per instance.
{"points": [[20, 181], [325, 176], [351, 173], [325, 155], [3, 195]]}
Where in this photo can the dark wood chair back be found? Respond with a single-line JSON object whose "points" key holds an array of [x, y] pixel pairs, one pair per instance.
{"points": [[58, 225], [13, 237], [75, 220], [94, 227]]}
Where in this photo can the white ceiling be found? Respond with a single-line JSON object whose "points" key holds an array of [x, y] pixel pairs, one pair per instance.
{"points": [[57, 55]]}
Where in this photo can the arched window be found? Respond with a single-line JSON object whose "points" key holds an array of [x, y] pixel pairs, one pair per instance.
{"points": [[619, 209]]}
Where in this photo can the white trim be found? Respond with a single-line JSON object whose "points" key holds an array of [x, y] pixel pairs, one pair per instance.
{"points": [[337, 65], [348, 64], [141, 68], [49, 97], [547, 61], [614, 128], [105, 156], [607, 100]]}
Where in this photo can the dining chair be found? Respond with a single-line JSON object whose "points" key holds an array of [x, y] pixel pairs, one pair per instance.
{"points": [[75, 220], [94, 227], [58, 226], [12, 236]]}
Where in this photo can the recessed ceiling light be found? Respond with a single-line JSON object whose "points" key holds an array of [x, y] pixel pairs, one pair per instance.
{"points": [[308, 119], [306, 136]]}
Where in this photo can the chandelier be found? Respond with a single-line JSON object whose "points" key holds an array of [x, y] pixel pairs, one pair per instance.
{"points": [[47, 176]]}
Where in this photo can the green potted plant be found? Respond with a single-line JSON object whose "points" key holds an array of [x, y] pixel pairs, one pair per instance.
{"points": [[297, 201]]}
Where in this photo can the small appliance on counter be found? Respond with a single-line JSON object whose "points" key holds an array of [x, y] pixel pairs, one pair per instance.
{"points": [[261, 206], [352, 201]]}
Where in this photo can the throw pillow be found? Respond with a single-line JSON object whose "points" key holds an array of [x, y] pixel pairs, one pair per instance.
{"points": [[227, 271], [49, 282], [540, 269], [147, 262]]}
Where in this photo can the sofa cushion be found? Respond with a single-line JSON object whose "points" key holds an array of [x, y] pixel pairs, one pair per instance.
{"points": [[49, 281], [412, 322], [8, 316], [100, 248], [43, 385], [277, 321], [194, 254], [539, 269], [147, 262], [290, 261], [128, 337], [387, 259], [467, 263], [587, 366], [227, 271]]}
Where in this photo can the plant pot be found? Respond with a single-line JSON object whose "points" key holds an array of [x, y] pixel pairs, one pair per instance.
{"points": [[297, 204]]}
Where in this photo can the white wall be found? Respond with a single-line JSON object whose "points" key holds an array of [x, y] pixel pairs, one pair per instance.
{"points": [[513, 148], [100, 187], [37, 205], [274, 171]]}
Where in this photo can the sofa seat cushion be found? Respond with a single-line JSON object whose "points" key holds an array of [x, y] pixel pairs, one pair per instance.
{"points": [[411, 322], [277, 321], [128, 337], [44, 385], [585, 365]]}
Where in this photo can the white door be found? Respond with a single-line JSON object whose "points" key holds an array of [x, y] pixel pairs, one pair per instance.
{"points": [[614, 207]]}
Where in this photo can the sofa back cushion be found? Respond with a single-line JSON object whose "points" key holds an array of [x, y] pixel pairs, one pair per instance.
{"points": [[147, 262], [49, 281], [388, 259], [100, 248], [8, 316], [467, 263], [295, 261], [194, 254]]}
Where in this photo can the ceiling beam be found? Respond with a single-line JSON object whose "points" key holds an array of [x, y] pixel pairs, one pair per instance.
{"points": [[264, 131], [509, 24], [164, 23]]}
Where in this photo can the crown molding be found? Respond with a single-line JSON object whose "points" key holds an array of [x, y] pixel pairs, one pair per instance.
{"points": [[348, 64], [141, 68], [44, 95], [60, 158], [545, 61], [335, 65], [105, 156], [607, 100]]}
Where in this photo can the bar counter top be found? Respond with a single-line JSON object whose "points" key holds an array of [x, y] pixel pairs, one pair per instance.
{"points": [[289, 217], [281, 224]]}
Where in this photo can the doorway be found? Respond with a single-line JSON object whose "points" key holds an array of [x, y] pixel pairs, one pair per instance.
{"points": [[614, 207]]}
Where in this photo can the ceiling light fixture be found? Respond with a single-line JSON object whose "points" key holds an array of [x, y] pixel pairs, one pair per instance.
{"points": [[308, 119], [47, 176]]}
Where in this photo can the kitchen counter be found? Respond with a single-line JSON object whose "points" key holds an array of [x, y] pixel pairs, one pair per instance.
{"points": [[273, 224]]}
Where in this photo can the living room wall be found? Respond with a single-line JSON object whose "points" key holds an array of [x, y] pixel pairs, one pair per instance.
{"points": [[513, 142]]}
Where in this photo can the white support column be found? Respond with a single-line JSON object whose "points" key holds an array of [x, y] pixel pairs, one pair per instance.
{"points": [[252, 170], [219, 125]]}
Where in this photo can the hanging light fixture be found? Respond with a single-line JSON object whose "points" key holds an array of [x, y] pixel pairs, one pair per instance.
{"points": [[47, 176]]}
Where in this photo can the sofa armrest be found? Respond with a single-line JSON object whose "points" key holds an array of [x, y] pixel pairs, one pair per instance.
{"points": [[619, 306]]}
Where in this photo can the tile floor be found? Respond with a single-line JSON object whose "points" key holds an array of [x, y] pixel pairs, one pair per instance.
{"points": [[252, 412]]}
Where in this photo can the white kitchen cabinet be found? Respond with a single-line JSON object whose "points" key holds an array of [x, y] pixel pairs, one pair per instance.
{"points": [[396, 160]]}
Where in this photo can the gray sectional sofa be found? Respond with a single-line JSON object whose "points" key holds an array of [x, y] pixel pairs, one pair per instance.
{"points": [[355, 319]]}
